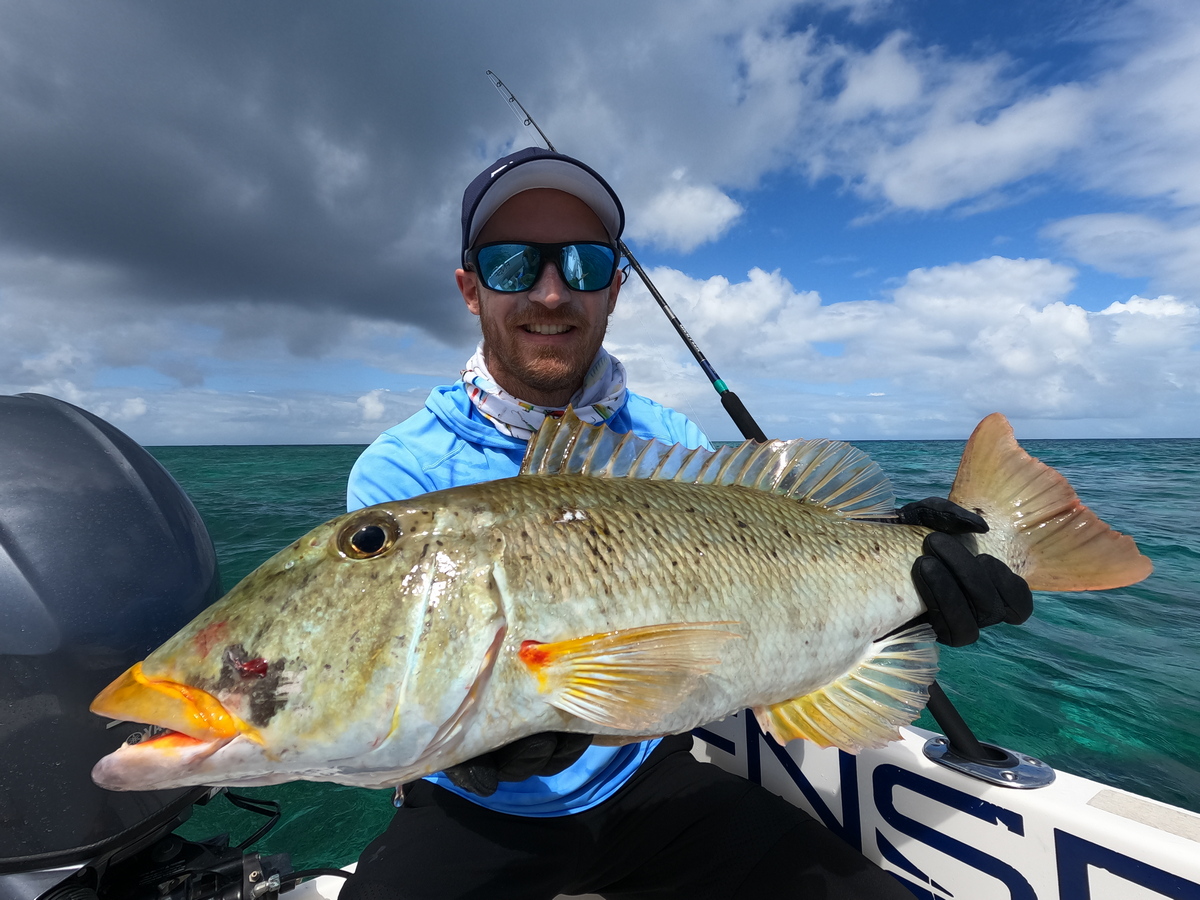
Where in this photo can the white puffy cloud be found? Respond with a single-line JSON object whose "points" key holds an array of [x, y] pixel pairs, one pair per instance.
{"points": [[683, 216], [952, 344]]}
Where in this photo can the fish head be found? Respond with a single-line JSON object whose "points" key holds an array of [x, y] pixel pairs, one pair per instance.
{"points": [[354, 655]]}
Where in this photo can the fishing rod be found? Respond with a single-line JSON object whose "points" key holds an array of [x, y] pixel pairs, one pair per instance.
{"points": [[963, 742], [732, 403]]}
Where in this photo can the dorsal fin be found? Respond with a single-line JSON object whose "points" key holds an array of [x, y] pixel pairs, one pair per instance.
{"points": [[831, 474]]}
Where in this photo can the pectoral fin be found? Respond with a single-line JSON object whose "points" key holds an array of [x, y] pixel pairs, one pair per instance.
{"points": [[626, 679], [865, 708]]}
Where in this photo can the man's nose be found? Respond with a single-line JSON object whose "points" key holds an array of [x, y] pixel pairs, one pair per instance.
{"points": [[549, 290]]}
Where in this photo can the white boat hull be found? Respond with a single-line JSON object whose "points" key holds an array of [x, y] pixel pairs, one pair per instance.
{"points": [[945, 834]]}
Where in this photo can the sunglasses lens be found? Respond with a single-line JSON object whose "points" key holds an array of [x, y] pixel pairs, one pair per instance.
{"points": [[509, 267], [587, 267]]}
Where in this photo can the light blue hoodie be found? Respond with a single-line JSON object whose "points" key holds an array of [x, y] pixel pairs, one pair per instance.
{"points": [[449, 443]]}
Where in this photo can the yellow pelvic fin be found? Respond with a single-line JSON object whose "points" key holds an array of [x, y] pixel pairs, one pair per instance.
{"points": [[626, 679], [1039, 525], [865, 708]]}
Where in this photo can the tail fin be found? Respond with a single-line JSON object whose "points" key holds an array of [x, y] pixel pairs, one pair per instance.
{"points": [[1038, 524]]}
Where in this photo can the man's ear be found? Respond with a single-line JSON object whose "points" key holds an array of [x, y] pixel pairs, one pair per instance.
{"points": [[468, 286]]}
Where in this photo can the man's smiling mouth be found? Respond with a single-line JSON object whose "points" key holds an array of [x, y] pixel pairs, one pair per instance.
{"points": [[547, 329]]}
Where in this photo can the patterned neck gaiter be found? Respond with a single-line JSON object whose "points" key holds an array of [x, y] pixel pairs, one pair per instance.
{"points": [[602, 394]]}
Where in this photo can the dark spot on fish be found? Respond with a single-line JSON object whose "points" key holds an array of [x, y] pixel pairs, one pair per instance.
{"points": [[814, 557], [328, 667], [674, 562], [690, 509], [424, 550], [439, 543], [741, 524], [774, 555], [637, 515], [549, 578], [252, 668], [592, 531], [787, 533], [255, 678], [524, 533], [374, 576], [876, 548], [899, 599]]}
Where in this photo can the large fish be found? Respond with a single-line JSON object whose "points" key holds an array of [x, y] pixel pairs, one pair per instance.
{"points": [[618, 587]]}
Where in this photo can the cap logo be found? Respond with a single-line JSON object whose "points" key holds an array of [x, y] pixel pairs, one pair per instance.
{"points": [[496, 172]]}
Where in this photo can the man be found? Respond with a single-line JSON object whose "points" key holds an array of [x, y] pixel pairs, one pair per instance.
{"points": [[550, 814]]}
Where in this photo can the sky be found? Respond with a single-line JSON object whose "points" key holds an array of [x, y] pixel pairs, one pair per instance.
{"points": [[232, 223]]}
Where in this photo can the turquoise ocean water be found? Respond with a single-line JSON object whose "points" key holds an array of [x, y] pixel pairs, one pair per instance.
{"points": [[1105, 685]]}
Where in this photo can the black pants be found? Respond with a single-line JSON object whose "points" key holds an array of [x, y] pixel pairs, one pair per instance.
{"points": [[679, 828]]}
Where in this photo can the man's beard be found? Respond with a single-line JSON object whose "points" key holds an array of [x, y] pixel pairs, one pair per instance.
{"points": [[545, 369]]}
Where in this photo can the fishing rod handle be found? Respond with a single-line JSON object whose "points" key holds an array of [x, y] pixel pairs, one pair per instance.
{"points": [[741, 417]]}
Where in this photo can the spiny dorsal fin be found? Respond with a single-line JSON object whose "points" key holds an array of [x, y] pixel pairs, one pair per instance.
{"points": [[830, 474]]}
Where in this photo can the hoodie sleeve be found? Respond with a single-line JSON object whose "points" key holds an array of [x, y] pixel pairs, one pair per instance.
{"points": [[387, 470]]}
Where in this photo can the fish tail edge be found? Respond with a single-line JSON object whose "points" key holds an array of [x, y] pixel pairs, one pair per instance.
{"points": [[1039, 526]]}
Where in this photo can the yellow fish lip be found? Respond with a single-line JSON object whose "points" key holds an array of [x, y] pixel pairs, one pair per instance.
{"points": [[181, 708]]}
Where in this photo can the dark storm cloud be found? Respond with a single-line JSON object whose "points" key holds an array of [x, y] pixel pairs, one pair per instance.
{"points": [[301, 152]]}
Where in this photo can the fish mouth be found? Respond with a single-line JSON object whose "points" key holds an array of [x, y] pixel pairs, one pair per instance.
{"points": [[180, 710]]}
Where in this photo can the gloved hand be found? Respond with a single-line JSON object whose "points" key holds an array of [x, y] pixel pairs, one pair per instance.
{"points": [[547, 753], [962, 592]]}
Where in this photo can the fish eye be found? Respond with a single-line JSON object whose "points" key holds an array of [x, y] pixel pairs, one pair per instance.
{"points": [[364, 540]]}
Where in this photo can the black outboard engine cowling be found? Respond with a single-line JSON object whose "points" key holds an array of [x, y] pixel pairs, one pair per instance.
{"points": [[102, 557]]}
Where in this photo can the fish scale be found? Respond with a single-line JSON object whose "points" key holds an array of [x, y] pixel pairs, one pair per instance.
{"points": [[644, 552]]}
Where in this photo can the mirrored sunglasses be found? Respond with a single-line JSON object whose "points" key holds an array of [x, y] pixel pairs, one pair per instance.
{"points": [[510, 267]]}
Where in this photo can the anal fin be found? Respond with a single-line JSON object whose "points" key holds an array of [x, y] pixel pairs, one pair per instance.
{"points": [[864, 708], [627, 679]]}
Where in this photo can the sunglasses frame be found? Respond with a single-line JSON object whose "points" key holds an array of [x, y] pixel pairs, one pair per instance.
{"points": [[546, 252]]}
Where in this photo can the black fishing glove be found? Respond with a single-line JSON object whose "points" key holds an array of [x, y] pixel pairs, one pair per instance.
{"points": [[962, 592], [547, 753]]}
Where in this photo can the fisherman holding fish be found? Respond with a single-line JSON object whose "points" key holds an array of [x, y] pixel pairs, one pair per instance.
{"points": [[555, 813]]}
